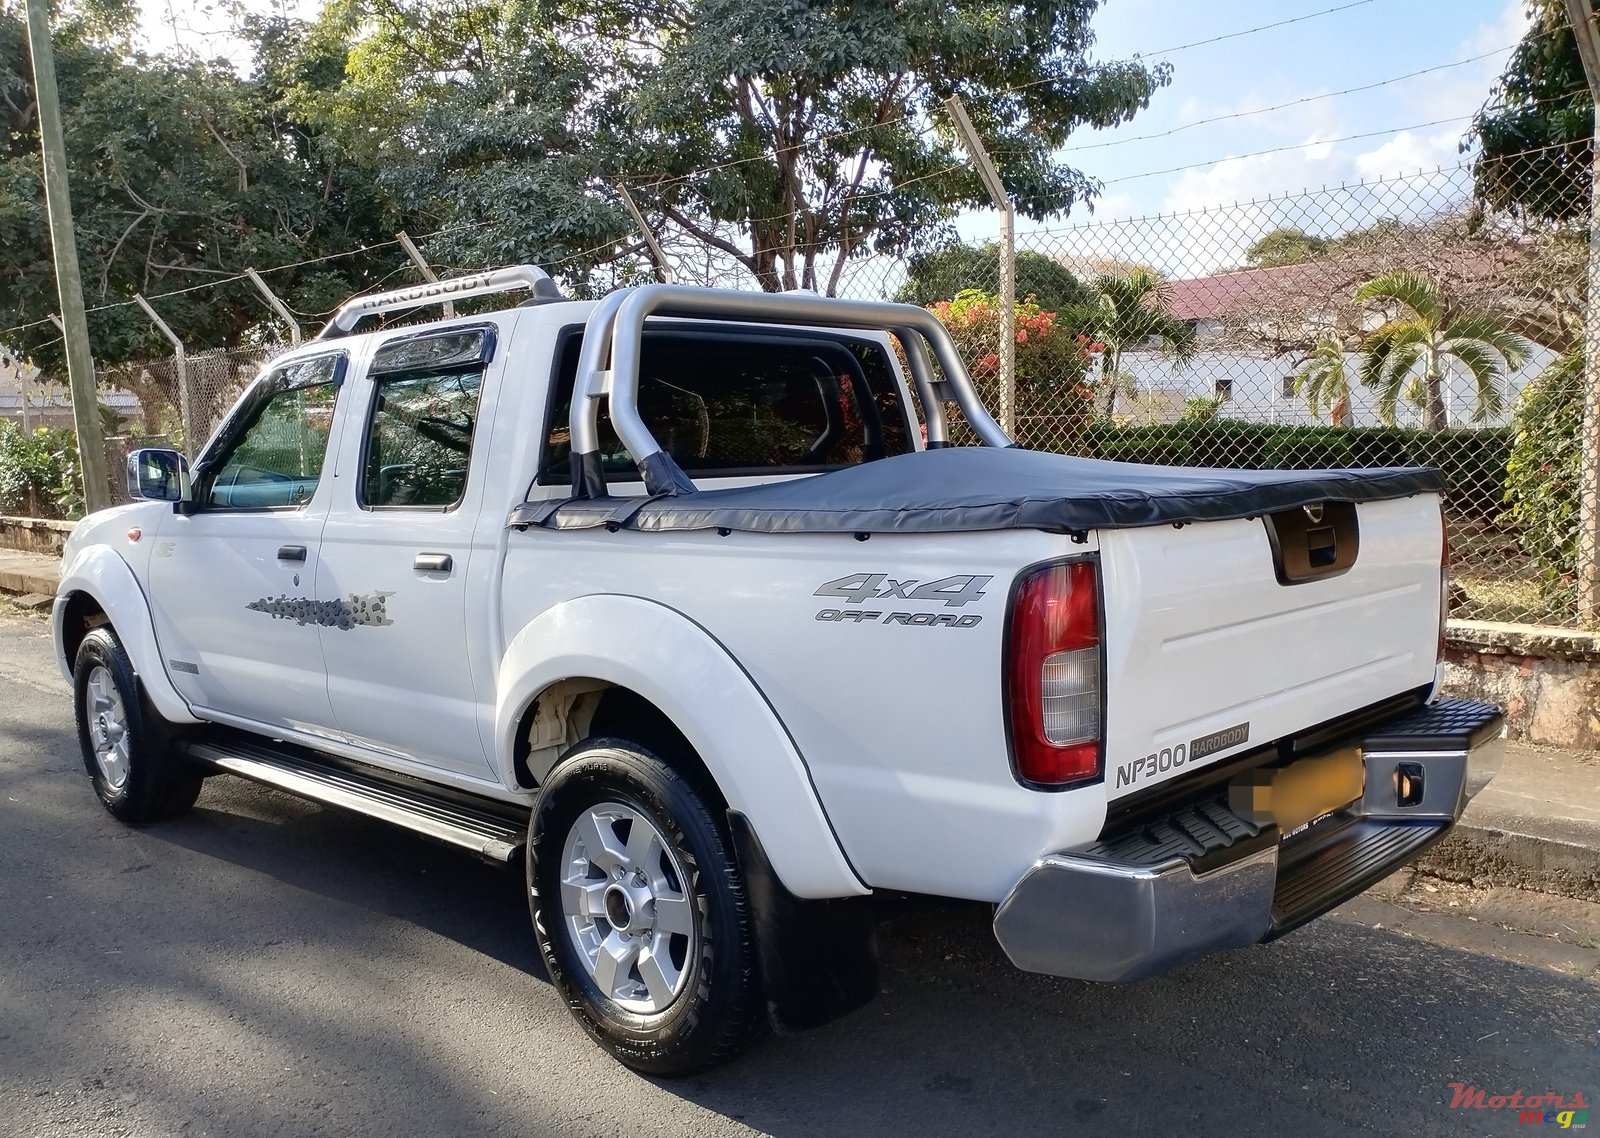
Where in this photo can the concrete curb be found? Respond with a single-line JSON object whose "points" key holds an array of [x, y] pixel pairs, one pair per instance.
{"points": [[1483, 855], [25, 581]]}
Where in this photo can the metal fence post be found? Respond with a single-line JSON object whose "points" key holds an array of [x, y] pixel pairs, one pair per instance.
{"points": [[423, 267], [277, 305], [1008, 256], [180, 360], [1581, 18], [663, 270]]}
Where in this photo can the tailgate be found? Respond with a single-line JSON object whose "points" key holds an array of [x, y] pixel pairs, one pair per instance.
{"points": [[1222, 636]]}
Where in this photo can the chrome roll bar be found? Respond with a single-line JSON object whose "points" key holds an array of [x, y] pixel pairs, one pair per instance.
{"points": [[618, 322]]}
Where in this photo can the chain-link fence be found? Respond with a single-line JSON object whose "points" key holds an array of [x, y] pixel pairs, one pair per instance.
{"points": [[1397, 321], [1416, 319], [173, 404]]}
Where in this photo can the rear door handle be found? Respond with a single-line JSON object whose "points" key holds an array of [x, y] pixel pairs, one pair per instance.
{"points": [[432, 563], [291, 553]]}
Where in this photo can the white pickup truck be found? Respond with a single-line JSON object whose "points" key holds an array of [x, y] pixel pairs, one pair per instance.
{"points": [[685, 599]]}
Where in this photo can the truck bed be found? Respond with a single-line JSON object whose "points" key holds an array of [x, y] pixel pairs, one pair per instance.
{"points": [[959, 489]]}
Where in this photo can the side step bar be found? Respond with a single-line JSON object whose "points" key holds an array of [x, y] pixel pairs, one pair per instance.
{"points": [[496, 832]]}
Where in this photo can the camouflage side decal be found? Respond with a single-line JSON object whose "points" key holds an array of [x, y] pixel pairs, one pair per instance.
{"points": [[368, 609]]}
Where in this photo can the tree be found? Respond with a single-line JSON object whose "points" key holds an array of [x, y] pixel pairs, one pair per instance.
{"points": [[1535, 132], [1284, 246], [942, 274], [182, 174], [787, 135], [1324, 382], [1128, 311], [1407, 355]]}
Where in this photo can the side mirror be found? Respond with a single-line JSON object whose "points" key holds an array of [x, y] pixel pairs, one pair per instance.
{"points": [[159, 475]]}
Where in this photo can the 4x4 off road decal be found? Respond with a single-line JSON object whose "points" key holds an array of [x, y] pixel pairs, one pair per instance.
{"points": [[357, 608], [859, 588]]}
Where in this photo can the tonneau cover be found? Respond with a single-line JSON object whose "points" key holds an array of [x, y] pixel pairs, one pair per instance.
{"points": [[984, 488]]}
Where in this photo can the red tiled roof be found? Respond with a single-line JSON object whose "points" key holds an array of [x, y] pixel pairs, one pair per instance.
{"points": [[1211, 298]]}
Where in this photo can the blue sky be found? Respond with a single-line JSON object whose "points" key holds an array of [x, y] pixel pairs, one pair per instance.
{"points": [[1365, 43]]}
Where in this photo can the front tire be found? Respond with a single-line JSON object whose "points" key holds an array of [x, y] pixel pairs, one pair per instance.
{"points": [[640, 912], [127, 747]]}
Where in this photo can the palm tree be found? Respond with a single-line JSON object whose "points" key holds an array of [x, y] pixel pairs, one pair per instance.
{"points": [[1324, 382], [1407, 355], [1127, 311]]}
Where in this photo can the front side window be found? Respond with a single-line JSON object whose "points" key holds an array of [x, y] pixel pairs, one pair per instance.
{"points": [[274, 459]]}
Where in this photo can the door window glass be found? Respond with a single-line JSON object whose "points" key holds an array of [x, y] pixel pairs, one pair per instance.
{"points": [[420, 440], [276, 459]]}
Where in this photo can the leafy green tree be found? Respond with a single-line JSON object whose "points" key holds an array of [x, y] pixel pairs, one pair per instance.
{"points": [[1407, 356], [942, 274], [1284, 246], [1324, 382], [785, 135], [1535, 132], [1130, 310], [182, 174]]}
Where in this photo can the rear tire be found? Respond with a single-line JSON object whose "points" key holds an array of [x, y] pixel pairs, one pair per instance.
{"points": [[128, 749], [640, 912]]}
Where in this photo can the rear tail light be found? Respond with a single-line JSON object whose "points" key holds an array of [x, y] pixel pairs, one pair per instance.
{"points": [[1053, 675], [1444, 582]]}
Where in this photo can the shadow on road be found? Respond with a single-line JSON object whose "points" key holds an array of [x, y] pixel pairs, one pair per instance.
{"points": [[278, 967]]}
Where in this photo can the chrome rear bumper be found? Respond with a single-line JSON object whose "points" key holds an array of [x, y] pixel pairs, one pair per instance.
{"points": [[1203, 879]]}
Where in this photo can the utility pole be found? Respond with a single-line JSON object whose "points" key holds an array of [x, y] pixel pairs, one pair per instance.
{"points": [[1008, 259], [75, 324], [1582, 19]]}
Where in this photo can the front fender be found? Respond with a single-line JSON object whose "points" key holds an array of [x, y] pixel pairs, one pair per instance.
{"points": [[98, 571], [683, 670]]}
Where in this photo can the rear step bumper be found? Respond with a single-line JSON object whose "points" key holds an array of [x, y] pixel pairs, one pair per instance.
{"points": [[1203, 878], [491, 831]]}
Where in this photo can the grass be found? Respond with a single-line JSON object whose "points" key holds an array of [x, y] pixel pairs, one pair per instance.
{"points": [[9, 609]]}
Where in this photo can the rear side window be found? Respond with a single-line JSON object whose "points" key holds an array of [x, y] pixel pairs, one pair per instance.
{"points": [[424, 413], [736, 402]]}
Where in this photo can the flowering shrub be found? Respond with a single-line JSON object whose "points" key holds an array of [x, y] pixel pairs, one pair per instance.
{"points": [[39, 472], [1053, 364]]}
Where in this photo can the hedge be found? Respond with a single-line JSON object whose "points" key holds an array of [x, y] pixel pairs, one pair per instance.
{"points": [[1472, 460]]}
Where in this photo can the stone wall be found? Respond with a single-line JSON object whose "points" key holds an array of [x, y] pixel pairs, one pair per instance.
{"points": [[34, 535], [1547, 679]]}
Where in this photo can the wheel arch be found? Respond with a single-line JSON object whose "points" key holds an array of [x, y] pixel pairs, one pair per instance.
{"points": [[98, 588], [612, 660]]}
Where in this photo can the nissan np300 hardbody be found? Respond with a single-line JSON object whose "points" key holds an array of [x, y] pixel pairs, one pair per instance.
{"points": [[686, 600]]}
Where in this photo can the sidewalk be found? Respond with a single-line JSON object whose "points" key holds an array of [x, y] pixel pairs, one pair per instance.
{"points": [[1536, 826]]}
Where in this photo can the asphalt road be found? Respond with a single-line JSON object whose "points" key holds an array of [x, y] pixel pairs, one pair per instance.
{"points": [[268, 967]]}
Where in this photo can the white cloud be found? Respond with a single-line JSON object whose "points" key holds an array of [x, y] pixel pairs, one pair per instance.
{"points": [[1408, 151]]}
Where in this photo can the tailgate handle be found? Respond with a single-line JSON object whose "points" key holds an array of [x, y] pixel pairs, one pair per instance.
{"points": [[1313, 542]]}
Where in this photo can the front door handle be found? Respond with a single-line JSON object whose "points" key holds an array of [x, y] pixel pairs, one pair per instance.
{"points": [[291, 553], [432, 563]]}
